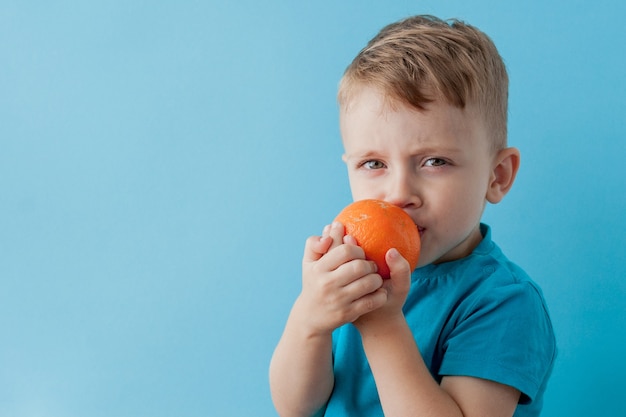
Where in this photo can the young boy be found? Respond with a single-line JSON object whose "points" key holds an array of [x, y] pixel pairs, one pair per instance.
{"points": [[423, 111]]}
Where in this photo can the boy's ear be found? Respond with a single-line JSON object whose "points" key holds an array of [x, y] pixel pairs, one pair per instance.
{"points": [[503, 175]]}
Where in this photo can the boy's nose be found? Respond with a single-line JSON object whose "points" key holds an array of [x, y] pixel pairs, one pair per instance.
{"points": [[403, 192]]}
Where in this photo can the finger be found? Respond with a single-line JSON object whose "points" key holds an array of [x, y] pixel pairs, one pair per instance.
{"points": [[315, 247], [354, 271], [349, 240], [340, 260], [370, 302], [365, 284], [336, 232]]}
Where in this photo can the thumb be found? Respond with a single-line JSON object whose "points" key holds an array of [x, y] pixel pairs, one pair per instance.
{"points": [[399, 268]]}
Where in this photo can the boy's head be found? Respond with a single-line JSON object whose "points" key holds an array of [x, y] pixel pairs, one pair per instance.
{"points": [[423, 124], [422, 59]]}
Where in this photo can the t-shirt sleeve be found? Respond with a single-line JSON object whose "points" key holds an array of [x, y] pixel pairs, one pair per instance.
{"points": [[504, 335]]}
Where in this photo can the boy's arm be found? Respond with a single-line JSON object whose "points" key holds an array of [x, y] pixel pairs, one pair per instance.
{"points": [[338, 286], [301, 370], [404, 383]]}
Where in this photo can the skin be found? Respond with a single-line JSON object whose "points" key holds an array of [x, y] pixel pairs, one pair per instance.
{"points": [[436, 165]]}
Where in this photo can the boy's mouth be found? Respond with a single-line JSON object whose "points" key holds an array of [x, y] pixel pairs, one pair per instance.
{"points": [[420, 230]]}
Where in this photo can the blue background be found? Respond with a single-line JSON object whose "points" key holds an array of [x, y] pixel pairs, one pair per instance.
{"points": [[162, 163]]}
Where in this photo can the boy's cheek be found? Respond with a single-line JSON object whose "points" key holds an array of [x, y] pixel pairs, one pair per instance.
{"points": [[362, 189]]}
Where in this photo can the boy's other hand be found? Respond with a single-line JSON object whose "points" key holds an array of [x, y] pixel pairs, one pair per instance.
{"points": [[395, 290]]}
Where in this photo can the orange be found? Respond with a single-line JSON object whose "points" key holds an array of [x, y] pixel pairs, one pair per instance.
{"points": [[378, 226]]}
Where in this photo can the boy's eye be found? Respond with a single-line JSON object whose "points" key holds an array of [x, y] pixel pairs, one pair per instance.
{"points": [[373, 164], [435, 162]]}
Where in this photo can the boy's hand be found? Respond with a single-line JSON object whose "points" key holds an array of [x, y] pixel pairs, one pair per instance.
{"points": [[395, 290], [338, 284]]}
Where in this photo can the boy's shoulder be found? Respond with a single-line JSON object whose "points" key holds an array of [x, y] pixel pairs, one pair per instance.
{"points": [[486, 272]]}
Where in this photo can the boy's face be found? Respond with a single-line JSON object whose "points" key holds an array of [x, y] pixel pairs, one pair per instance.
{"points": [[436, 165]]}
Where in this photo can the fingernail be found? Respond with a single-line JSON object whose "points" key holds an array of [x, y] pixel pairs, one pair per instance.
{"points": [[349, 240]]}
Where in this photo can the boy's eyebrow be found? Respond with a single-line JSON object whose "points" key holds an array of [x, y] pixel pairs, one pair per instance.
{"points": [[418, 151], [445, 150], [367, 154]]}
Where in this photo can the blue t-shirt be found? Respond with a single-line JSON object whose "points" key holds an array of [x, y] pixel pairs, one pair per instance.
{"points": [[479, 316]]}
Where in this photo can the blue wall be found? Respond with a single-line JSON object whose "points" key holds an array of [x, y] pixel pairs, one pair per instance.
{"points": [[161, 164]]}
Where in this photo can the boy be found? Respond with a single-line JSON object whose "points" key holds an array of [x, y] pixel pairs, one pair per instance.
{"points": [[423, 111]]}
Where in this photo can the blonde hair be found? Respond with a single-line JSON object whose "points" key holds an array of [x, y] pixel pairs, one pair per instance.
{"points": [[422, 58]]}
